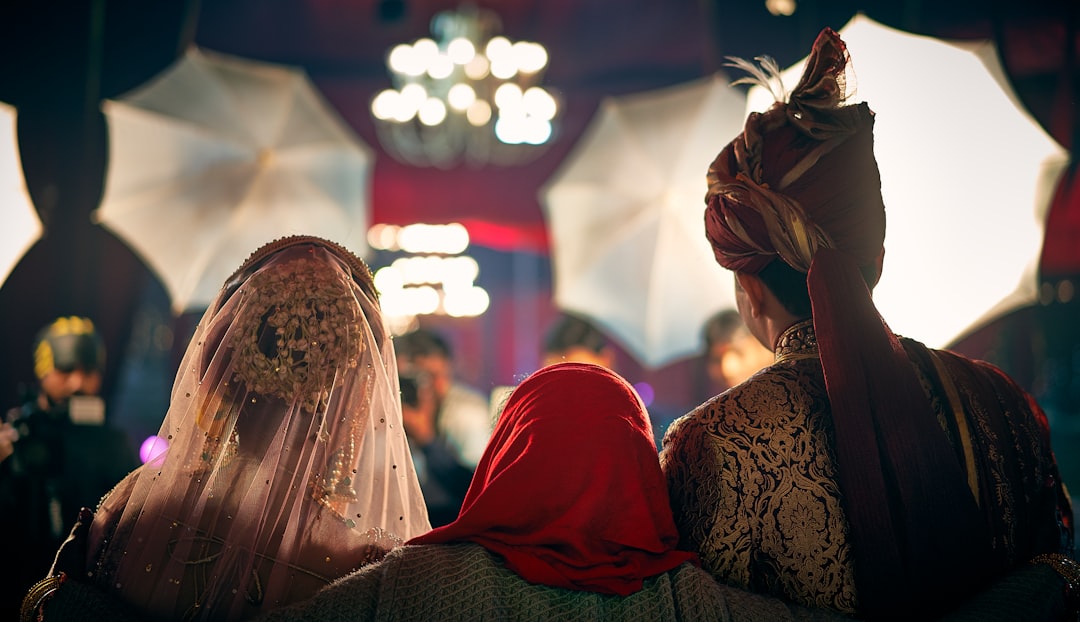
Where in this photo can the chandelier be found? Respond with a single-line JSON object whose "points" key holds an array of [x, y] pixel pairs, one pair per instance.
{"points": [[466, 94]]}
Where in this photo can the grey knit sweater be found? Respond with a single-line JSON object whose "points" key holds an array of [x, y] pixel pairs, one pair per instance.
{"points": [[465, 582]]}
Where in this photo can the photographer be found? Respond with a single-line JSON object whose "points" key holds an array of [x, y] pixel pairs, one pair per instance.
{"points": [[447, 422], [56, 453]]}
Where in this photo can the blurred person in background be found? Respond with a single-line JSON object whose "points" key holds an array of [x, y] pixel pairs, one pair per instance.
{"points": [[447, 421], [732, 352], [57, 454], [574, 339], [569, 339]]}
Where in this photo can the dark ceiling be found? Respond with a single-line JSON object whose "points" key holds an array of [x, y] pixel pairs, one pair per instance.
{"points": [[61, 61]]}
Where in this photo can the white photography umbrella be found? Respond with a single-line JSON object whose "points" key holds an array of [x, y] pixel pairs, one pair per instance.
{"points": [[966, 175], [21, 227], [218, 155], [625, 213]]}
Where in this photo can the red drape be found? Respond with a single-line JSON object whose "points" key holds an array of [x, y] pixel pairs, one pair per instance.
{"points": [[569, 491]]}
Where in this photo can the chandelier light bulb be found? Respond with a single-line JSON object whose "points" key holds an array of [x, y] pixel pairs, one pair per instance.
{"points": [[461, 96], [385, 104], [466, 302], [402, 59], [414, 270], [478, 113], [424, 299], [412, 95], [464, 269], [424, 50], [461, 51], [498, 48], [537, 131], [456, 239], [509, 128], [449, 239], [382, 236], [435, 279], [529, 57], [477, 68], [388, 278], [440, 67], [539, 103], [504, 67], [409, 100], [393, 302], [508, 97], [428, 268], [432, 111], [465, 68], [403, 114]]}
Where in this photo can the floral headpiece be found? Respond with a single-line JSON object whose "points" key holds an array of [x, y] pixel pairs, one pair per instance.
{"points": [[295, 324]]}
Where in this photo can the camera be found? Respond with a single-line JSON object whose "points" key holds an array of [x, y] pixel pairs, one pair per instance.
{"points": [[410, 386], [40, 450]]}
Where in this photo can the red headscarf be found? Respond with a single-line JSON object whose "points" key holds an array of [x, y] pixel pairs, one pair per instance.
{"points": [[569, 490], [801, 185]]}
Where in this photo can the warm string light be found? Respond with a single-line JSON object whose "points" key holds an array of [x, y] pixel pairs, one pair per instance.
{"points": [[468, 94], [434, 279]]}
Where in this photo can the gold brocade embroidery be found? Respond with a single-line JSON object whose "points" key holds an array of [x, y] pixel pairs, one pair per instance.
{"points": [[38, 595], [753, 479], [797, 342], [753, 485], [961, 424]]}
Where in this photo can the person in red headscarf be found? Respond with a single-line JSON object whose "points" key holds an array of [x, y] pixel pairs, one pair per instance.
{"points": [[567, 518], [862, 472]]}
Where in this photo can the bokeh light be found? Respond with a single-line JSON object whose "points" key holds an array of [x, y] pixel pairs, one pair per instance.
{"points": [[153, 449], [647, 393]]}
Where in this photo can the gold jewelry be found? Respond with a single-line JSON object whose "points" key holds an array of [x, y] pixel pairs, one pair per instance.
{"points": [[293, 326], [1067, 568], [797, 342], [38, 595]]}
